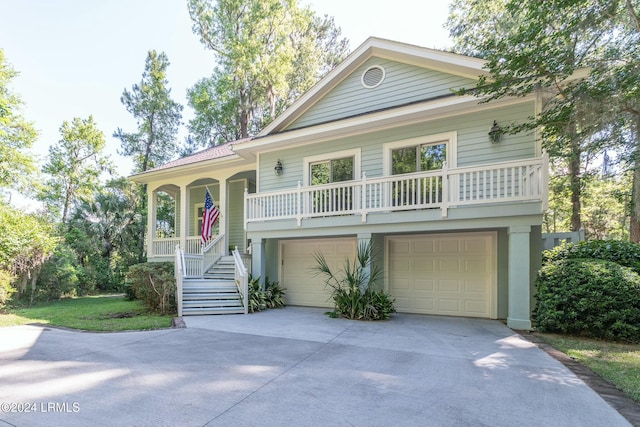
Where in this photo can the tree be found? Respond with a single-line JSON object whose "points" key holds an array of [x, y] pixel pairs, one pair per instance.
{"points": [[26, 242], [267, 52], [573, 52], [158, 116], [16, 134], [104, 234], [74, 166]]}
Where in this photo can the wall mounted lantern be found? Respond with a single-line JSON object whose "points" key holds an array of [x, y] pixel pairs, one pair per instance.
{"points": [[278, 168], [495, 134]]}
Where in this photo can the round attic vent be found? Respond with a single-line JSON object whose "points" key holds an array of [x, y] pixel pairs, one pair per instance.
{"points": [[372, 76]]}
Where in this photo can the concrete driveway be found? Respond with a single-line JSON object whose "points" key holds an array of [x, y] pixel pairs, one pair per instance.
{"points": [[291, 367]]}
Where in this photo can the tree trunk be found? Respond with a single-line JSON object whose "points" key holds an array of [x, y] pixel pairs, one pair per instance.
{"points": [[575, 184], [634, 225], [244, 115]]}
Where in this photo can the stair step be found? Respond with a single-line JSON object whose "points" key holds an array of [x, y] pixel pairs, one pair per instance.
{"points": [[210, 296], [218, 287], [212, 303], [202, 311]]}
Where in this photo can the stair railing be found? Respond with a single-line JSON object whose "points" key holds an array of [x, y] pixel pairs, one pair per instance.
{"points": [[241, 279], [179, 273], [212, 252]]}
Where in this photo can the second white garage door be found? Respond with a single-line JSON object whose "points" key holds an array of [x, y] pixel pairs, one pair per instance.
{"points": [[297, 268], [446, 274]]}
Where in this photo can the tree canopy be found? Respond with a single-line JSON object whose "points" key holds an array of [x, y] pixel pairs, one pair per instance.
{"points": [[267, 53], [74, 166], [158, 116], [17, 135]]}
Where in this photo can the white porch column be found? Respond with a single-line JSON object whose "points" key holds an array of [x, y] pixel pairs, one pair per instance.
{"points": [[151, 221], [184, 215], [223, 205], [519, 316], [258, 260]]}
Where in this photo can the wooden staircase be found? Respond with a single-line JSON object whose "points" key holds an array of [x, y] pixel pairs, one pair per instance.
{"points": [[215, 293]]}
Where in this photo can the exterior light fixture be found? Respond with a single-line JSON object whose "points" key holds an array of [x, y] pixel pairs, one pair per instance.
{"points": [[495, 134], [278, 168]]}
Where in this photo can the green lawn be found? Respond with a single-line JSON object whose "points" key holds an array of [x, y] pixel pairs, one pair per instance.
{"points": [[95, 313], [618, 363]]}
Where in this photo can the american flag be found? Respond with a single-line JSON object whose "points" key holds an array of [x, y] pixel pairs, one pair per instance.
{"points": [[209, 217]]}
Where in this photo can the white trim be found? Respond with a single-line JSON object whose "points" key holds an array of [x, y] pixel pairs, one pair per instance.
{"points": [[307, 161], [450, 138]]}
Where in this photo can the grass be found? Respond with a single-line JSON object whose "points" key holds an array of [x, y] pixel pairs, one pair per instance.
{"points": [[618, 363], [94, 313]]}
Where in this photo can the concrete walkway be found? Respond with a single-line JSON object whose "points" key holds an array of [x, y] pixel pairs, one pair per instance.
{"points": [[291, 367]]}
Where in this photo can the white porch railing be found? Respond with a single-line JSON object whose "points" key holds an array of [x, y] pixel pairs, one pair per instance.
{"points": [[166, 246], [242, 279], [517, 181], [179, 273]]}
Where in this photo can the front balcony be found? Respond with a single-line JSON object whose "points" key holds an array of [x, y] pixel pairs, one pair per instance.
{"points": [[507, 182]]}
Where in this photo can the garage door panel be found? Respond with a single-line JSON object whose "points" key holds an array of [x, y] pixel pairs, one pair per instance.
{"points": [[450, 274], [424, 285], [424, 247], [448, 246], [476, 246]]}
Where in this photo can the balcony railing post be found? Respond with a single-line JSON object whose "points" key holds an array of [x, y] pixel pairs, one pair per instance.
{"points": [[363, 197], [300, 207], [445, 190]]}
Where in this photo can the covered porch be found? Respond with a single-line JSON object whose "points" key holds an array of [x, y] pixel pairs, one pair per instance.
{"points": [[175, 215]]}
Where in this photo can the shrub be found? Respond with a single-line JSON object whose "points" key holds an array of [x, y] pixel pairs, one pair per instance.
{"points": [[5, 288], [619, 251], [352, 287], [256, 296], [59, 276], [273, 294], [590, 297], [154, 284]]}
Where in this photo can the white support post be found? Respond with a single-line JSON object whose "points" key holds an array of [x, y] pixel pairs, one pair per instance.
{"points": [[184, 216], [151, 222]]}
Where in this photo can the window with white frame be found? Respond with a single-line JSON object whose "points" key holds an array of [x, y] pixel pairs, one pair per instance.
{"points": [[334, 168], [423, 154]]}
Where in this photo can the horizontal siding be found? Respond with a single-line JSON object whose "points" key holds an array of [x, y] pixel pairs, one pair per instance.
{"points": [[474, 147], [403, 84], [236, 214]]}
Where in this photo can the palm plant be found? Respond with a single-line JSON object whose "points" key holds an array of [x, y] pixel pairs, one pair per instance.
{"points": [[352, 287]]}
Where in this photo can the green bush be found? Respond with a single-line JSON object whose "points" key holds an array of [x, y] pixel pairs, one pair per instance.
{"points": [[154, 284], [256, 297], [6, 290], [619, 251], [59, 276], [590, 297], [352, 287], [273, 294]]}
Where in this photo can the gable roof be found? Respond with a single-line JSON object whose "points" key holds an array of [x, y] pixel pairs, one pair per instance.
{"points": [[437, 60]]}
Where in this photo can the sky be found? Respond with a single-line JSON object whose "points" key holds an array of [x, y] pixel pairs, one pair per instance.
{"points": [[76, 57]]}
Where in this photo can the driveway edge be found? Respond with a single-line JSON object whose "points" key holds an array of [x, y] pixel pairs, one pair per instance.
{"points": [[626, 406]]}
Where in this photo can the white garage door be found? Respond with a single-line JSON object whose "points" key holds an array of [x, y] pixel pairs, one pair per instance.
{"points": [[447, 274], [297, 268]]}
